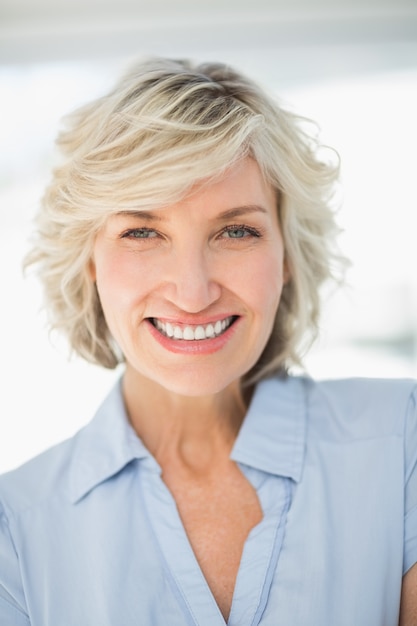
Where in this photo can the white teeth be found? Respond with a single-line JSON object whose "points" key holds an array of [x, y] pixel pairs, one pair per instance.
{"points": [[199, 333], [193, 333], [187, 334], [178, 333]]}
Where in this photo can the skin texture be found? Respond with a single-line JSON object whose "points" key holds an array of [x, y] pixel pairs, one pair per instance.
{"points": [[215, 254], [408, 614], [193, 263], [187, 269]]}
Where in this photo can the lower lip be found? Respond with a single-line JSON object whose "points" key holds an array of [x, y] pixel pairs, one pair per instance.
{"points": [[196, 347]]}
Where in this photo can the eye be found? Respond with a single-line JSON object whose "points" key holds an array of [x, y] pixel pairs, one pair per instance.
{"points": [[139, 233], [239, 232]]}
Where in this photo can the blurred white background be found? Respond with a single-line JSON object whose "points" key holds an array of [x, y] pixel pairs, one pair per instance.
{"points": [[352, 66]]}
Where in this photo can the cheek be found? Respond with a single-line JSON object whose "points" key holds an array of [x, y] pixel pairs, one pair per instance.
{"points": [[271, 287], [262, 281], [117, 280]]}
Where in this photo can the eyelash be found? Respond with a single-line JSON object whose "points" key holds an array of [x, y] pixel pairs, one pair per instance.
{"points": [[131, 233], [253, 232]]}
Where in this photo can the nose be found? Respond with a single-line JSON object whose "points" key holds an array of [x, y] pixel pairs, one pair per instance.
{"points": [[192, 285]]}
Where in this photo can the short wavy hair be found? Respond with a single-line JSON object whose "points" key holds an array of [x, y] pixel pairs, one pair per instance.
{"points": [[165, 126]]}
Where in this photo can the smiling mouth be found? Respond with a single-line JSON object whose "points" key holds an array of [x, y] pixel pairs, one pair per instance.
{"points": [[191, 332]]}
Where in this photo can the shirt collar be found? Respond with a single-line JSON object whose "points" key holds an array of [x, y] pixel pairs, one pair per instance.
{"points": [[103, 447], [272, 436]]}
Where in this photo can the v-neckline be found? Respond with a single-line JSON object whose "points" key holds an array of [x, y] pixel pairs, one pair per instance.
{"points": [[259, 556]]}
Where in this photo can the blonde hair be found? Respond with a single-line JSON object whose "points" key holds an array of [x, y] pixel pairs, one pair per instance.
{"points": [[166, 125]]}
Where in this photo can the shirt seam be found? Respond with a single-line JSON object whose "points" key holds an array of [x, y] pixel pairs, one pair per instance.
{"points": [[359, 439], [411, 512], [176, 586], [274, 557], [12, 515], [5, 520], [410, 401], [16, 608]]}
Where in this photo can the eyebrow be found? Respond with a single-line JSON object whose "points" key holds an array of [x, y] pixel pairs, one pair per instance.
{"points": [[152, 216], [148, 216], [242, 210]]}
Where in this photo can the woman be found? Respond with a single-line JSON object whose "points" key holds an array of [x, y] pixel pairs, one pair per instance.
{"points": [[186, 234]]}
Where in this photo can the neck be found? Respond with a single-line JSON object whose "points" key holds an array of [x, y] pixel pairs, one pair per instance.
{"points": [[192, 431]]}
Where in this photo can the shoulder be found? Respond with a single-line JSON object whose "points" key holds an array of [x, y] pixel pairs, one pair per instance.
{"points": [[362, 392], [68, 471], [354, 390], [34, 481], [363, 407], [47, 476], [351, 408]]}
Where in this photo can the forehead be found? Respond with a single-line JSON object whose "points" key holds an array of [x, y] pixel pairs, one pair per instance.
{"points": [[244, 177], [240, 188]]}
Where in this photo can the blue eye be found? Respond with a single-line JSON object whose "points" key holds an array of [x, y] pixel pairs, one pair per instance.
{"points": [[240, 232], [140, 233], [237, 233]]}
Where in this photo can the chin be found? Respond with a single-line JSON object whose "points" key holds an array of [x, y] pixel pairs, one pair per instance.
{"points": [[190, 379], [196, 381], [197, 385]]}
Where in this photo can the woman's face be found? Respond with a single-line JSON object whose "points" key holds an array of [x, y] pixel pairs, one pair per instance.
{"points": [[190, 291]]}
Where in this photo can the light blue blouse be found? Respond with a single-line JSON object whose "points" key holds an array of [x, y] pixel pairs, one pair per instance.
{"points": [[90, 535]]}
